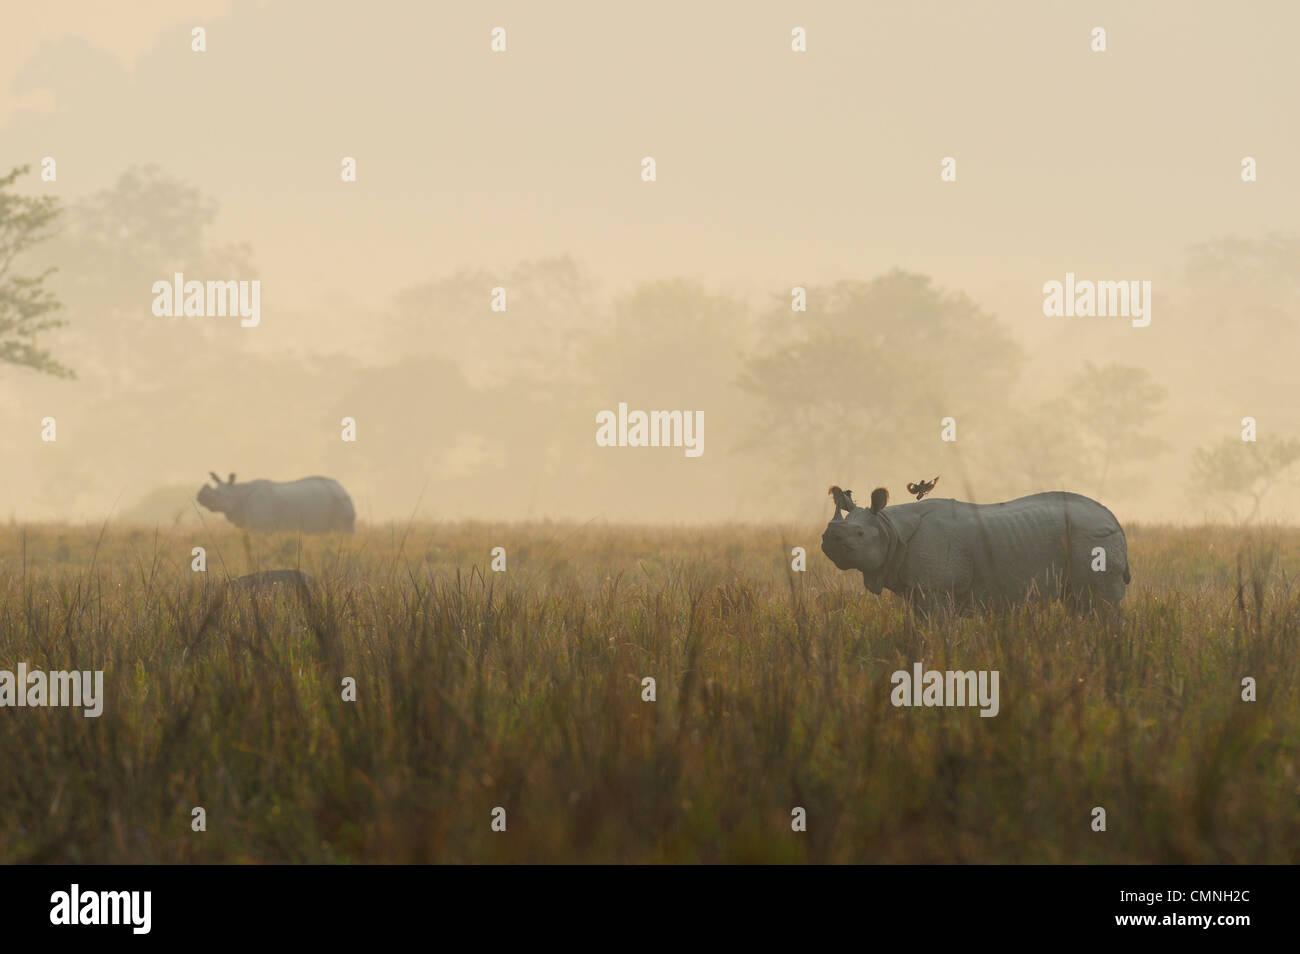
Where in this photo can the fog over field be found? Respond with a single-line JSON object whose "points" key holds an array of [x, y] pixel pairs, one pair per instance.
{"points": [[589, 433], [916, 178]]}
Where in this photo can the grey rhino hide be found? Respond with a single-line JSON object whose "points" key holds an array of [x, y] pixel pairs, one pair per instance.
{"points": [[942, 550], [309, 505]]}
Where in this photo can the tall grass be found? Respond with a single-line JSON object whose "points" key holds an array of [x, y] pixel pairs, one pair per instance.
{"points": [[523, 689]]}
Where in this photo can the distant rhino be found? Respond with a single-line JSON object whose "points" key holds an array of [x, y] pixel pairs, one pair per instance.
{"points": [[309, 505], [936, 551]]}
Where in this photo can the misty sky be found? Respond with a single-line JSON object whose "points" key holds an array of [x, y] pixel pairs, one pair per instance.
{"points": [[774, 169]]}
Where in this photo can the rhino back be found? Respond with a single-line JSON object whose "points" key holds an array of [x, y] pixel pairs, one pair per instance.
{"points": [[1002, 549], [311, 504]]}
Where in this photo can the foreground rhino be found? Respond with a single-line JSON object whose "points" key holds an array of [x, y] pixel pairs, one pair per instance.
{"points": [[946, 551], [310, 505]]}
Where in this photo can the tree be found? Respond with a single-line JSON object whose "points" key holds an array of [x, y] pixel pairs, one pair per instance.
{"points": [[857, 387], [1046, 454], [114, 244], [1233, 470], [176, 381], [1112, 406], [26, 305], [670, 344], [1238, 329], [548, 302]]}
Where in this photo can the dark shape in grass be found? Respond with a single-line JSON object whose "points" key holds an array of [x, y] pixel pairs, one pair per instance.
{"points": [[273, 579]]}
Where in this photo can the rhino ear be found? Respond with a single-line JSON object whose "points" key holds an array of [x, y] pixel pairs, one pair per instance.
{"points": [[213, 475], [879, 497], [232, 478]]}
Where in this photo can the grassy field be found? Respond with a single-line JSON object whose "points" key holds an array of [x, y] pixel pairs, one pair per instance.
{"points": [[523, 689]]}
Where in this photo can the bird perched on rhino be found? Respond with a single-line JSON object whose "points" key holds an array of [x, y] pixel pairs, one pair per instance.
{"points": [[922, 487], [843, 500]]}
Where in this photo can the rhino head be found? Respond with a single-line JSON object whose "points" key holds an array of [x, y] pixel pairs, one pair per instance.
{"points": [[865, 540], [222, 498]]}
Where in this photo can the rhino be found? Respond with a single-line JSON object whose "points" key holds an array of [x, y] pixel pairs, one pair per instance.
{"points": [[309, 505], [949, 553]]}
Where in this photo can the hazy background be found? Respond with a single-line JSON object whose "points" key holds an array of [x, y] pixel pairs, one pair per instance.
{"points": [[775, 169]]}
